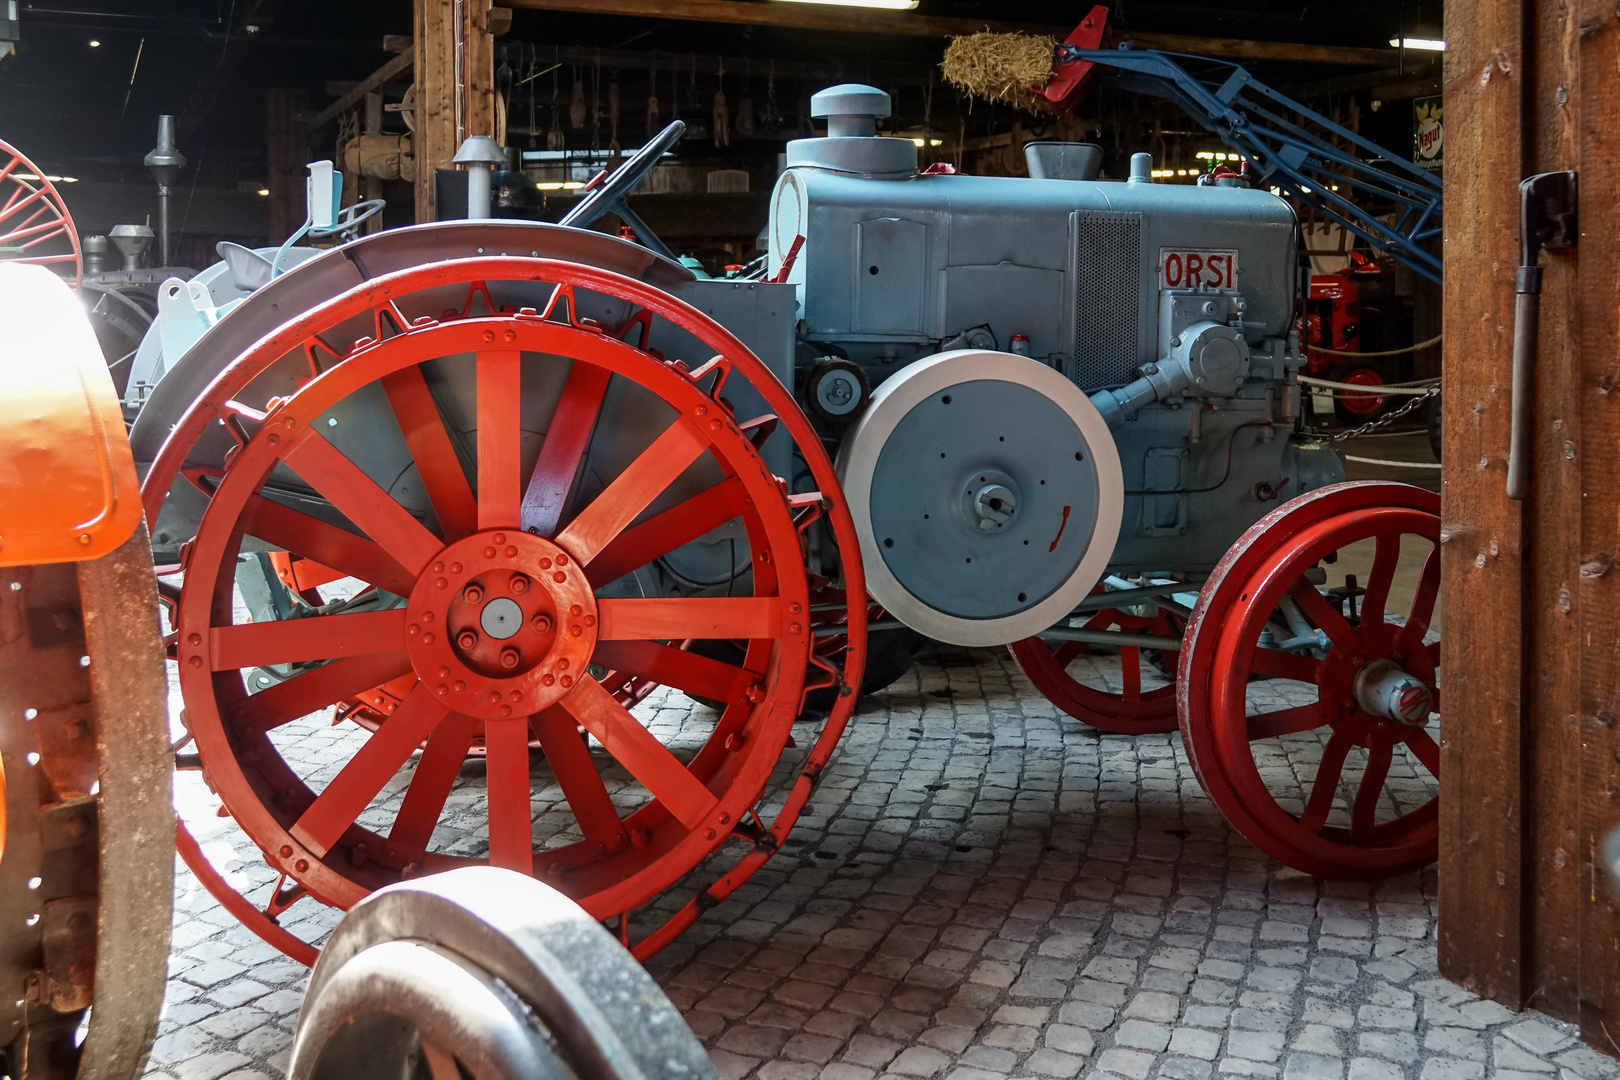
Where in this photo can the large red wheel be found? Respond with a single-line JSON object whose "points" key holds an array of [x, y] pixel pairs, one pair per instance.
{"points": [[507, 600], [1309, 714], [1355, 406], [1065, 672], [35, 226]]}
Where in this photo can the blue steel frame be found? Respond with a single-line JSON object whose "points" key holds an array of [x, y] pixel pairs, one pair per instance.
{"points": [[1251, 118]]}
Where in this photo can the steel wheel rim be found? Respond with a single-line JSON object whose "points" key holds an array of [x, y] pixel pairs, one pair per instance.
{"points": [[1197, 669], [1370, 847], [216, 405], [1130, 712]]}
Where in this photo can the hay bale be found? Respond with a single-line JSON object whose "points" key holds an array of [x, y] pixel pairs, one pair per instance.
{"points": [[1002, 67]]}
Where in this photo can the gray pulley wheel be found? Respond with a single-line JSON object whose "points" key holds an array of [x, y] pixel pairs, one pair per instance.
{"points": [[987, 494], [484, 973]]}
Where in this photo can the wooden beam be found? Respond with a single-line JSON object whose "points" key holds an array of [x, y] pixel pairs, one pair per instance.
{"points": [[455, 86], [1391, 84], [396, 68], [910, 24]]}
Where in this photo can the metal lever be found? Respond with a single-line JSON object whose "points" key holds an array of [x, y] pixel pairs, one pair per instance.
{"points": [[1547, 219]]}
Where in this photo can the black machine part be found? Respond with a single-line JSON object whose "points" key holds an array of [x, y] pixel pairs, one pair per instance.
{"points": [[1547, 220], [485, 973]]}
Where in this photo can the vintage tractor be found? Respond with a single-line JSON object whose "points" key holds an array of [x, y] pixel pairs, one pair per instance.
{"points": [[481, 484]]}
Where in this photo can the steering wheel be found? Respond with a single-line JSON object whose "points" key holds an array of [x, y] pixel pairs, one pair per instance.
{"points": [[350, 218], [608, 197]]}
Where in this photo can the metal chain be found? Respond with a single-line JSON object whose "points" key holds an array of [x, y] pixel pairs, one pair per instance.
{"points": [[1383, 421]]}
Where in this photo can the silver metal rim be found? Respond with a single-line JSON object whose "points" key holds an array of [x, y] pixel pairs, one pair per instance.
{"points": [[857, 463]]}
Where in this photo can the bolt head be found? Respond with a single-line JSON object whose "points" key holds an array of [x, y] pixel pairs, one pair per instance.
{"points": [[472, 594], [510, 658], [540, 624], [467, 639], [519, 584]]}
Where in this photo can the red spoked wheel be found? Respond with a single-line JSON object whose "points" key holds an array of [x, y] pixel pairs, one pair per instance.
{"points": [[1066, 673], [1310, 715], [509, 598], [35, 226], [1353, 406]]}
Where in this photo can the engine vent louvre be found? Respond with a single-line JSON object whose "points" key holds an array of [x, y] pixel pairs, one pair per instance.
{"points": [[1107, 301]]}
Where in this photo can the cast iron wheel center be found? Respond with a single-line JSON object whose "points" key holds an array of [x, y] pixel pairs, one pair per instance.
{"points": [[501, 624]]}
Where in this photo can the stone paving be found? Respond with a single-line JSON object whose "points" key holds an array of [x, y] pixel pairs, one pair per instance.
{"points": [[979, 888]]}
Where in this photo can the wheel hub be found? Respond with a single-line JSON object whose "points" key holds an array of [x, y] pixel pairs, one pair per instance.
{"points": [[1385, 689], [501, 624]]}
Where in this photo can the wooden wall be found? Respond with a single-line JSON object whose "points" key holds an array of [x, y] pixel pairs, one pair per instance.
{"points": [[1531, 754], [452, 102]]}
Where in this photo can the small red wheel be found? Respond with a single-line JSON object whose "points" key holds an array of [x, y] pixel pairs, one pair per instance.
{"points": [[506, 581], [1273, 663], [1354, 406], [35, 226], [1142, 704]]}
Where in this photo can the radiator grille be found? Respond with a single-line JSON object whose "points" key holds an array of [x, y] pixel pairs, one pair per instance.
{"points": [[1107, 299]]}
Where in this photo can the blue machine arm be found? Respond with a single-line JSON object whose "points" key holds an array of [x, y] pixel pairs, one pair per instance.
{"points": [[1253, 119]]}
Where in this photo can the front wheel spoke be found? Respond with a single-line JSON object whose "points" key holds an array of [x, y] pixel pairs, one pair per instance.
{"points": [[290, 530], [640, 752], [633, 490], [318, 637], [1276, 664], [1130, 665], [669, 529], [376, 762], [1326, 617], [363, 501], [1067, 651], [564, 447], [429, 442], [511, 822], [1425, 749], [1386, 554], [1269, 725], [500, 439], [571, 763], [435, 776], [1423, 599], [1364, 811], [312, 691], [1325, 788], [685, 671], [705, 617]]}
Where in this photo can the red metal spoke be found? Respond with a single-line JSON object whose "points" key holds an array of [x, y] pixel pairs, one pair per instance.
{"points": [[348, 553], [1323, 614], [435, 776], [14, 206], [435, 456], [1067, 651], [376, 762], [1104, 619], [1428, 590], [315, 690], [1277, 664], [639, 751], [1425, 749], [1326, 785], [1286, 721], [1130, 663], [1386, 555], [363, 501], [373, 765], [511, 821], [668, 666], [632, 491], [500, 439], [667, 530], [54, 227], [319, 637], [564, 448], [678, 618], [571, 762], [1363, 812]]}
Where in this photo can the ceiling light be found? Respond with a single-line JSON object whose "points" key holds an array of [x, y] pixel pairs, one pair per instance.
{"points": [[94, 44], [1424, 44], [264, 191], [887, 5], [53, 179], [564, 185]]}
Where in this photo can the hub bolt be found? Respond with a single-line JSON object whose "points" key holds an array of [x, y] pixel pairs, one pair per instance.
{"points": [[510, 658], [541, 624], [467, 639], [472, 594], [519, 584]]}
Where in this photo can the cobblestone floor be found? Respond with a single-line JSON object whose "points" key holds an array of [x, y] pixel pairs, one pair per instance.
{"points": [[980, 888]]}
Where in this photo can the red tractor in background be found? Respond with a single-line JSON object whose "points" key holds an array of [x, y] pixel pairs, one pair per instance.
{"points": [[1351, 312]]}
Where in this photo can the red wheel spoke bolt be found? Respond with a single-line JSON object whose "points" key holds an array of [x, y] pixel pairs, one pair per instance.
{"points": [[467, 639], [472, 593], [541, 624], [510, 657], [519, 584]]}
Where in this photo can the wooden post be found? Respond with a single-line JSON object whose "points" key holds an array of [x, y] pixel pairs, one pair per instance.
{"points": [[1531, 777], [455, 86], [285, 157], [370, 186]]}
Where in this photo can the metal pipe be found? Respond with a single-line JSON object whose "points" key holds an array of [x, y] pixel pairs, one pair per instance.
{"points": [[1126, 597], [1106, 637]]}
